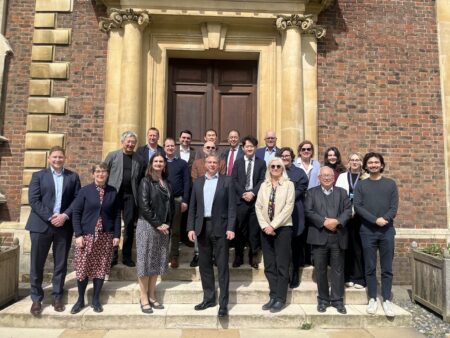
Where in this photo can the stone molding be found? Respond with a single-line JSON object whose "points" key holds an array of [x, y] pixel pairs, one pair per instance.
{"points": [[301, 21], [118, 17]]}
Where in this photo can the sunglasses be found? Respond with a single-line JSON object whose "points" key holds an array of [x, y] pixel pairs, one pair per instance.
{"points": [[275, 166], [208, 147], [306, 149]]}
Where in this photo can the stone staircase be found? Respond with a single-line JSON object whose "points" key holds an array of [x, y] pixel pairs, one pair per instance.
{"points": [[180, 290]]}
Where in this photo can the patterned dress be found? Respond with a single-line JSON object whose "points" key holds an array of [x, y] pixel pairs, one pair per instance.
{"points": [[94, 259]]}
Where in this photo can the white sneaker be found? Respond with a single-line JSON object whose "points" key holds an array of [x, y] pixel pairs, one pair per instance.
{"points": [[358, 286], [372, 306], [388, 309], [349, 284]]}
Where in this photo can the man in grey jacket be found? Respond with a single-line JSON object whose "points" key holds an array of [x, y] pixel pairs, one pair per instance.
{"points": [[126, 169]]}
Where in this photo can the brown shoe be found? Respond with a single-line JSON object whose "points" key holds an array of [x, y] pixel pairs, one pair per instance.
{"points": [[36, 308], [58, 305], [174, 262]]}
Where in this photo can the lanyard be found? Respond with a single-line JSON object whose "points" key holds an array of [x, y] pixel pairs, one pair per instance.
{"points": [[350, 179]]}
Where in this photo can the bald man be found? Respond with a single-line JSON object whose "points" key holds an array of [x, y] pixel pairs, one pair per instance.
{"points": [[268, 152]]}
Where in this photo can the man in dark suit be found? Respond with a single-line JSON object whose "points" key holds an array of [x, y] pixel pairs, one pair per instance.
{"points": [[268, 152], [234, 152], [328, 210], [50, 194], [248, 174], [152, 146], [212, 215], [126, 169], [185, 151]]}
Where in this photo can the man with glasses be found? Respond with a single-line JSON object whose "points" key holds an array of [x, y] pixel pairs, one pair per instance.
{"points": [[328, 210], [268, 152]]}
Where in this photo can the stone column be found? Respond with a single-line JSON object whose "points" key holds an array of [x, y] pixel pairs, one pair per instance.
{"points": [[293, 120], [124, 69]]}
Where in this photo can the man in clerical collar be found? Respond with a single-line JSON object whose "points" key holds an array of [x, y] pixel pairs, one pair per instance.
{"points": [[328, 209], [268, 152]]}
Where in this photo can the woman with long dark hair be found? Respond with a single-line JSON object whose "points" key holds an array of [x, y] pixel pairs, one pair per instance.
{"points": [[332, 159]]}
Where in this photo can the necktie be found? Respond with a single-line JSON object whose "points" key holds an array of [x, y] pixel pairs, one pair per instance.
{"points": [[230, 162], [248, 174]]}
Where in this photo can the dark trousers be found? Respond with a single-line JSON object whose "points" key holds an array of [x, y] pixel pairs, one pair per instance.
{"points": [[382, 239], [247, 229], [304, 249], [354, 262], [175, 229], [209, 244], [335, 255], [60, 240], [276, 253], [296, 249], [129, 215]]}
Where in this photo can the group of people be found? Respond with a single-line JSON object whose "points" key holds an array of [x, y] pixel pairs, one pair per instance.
{"points": [[290, 208]]}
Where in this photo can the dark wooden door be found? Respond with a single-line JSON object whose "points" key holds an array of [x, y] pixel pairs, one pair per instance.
{"points": [[218, 94]]}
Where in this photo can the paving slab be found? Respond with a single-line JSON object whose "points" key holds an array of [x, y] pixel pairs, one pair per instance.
{"points": [[388, 332], [14, 332], [347, 333], [144, 333], [83, 334]]}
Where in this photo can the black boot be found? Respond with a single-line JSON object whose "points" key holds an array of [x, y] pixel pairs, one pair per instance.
{"points": [[98, 283], [295, 281], [79, 305]]}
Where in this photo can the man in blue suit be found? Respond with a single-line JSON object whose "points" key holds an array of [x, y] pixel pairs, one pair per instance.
{"points": [[268, 152], [50, 194]]}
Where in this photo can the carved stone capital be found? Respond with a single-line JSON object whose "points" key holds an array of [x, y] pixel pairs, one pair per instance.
{"points": [[118, 17], [304, 22]]}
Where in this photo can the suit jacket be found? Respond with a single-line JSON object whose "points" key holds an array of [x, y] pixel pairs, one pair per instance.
{"points": [[240, 178], [143, 152], [41, 196], [224, 156], [192, 155], [87, 209], [316, 211], [198, 168], [284, 204], [260, 152], [300, 180], [114, 160], [223, 209]]}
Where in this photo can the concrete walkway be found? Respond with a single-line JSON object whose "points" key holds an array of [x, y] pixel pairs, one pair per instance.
{"points": [[6, 332]]}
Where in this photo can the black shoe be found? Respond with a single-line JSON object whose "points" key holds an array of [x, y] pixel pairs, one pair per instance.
{"points": [[253, 261], [155, 304], [295, 281], [194, 261], [269, 304], [129, 263], [77, 308], [277, 307], [340, 308], [97, 308], [223, 312], [114, 262], [204, 305], [237, 261], [146, 311], [322, 307]]}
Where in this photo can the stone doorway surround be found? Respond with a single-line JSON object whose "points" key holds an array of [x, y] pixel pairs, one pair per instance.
{"points": [[143, 35]]}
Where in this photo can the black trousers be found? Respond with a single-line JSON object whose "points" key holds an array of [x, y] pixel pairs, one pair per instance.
{"points": [[335, 255], [305, 249], [129, 215], [60, 240], [209, 244], [354, 261], [276, 253], [247, 229]]}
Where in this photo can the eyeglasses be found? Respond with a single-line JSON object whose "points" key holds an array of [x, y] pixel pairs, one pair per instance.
{"points": [[275, 166], [355, 160], [306, 149], [327, 176], [209, 147]]}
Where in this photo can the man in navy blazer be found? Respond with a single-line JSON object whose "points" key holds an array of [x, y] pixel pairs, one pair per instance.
{"points": [[212, 215], [248, 174], [50, 194], [232, 153], [152, 147], [268, 152]]}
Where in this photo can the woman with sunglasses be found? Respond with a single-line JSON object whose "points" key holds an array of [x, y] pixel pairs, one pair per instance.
{"points": [[305, 153], [332, 159], [354, 263], [274, 206]]}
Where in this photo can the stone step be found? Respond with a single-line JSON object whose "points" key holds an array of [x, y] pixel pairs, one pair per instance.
{"points": [[172, 292], [184, 272], [125, 316]]}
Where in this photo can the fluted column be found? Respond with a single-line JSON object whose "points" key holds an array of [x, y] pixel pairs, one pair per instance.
{"points": [[292, 107], [124, 69]]}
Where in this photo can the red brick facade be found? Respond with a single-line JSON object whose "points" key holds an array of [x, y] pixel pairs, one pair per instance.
{"points": [[378, 89]]}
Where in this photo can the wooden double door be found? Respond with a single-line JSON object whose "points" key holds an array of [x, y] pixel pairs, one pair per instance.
{"points": [[217, 94]]}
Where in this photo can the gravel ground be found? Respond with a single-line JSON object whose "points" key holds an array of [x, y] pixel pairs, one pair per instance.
{"points": [[425, 321]]}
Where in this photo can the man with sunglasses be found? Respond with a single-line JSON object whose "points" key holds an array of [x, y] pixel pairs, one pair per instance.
{"points": [[268, 152]]}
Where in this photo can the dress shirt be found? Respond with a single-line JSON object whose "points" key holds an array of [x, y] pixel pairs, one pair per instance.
{"points": [[269, 155], [151, 151], [58, 178], [209, 190], [327, 192], [229, 154], [185, 154], [250, 186], [301, 166]]}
